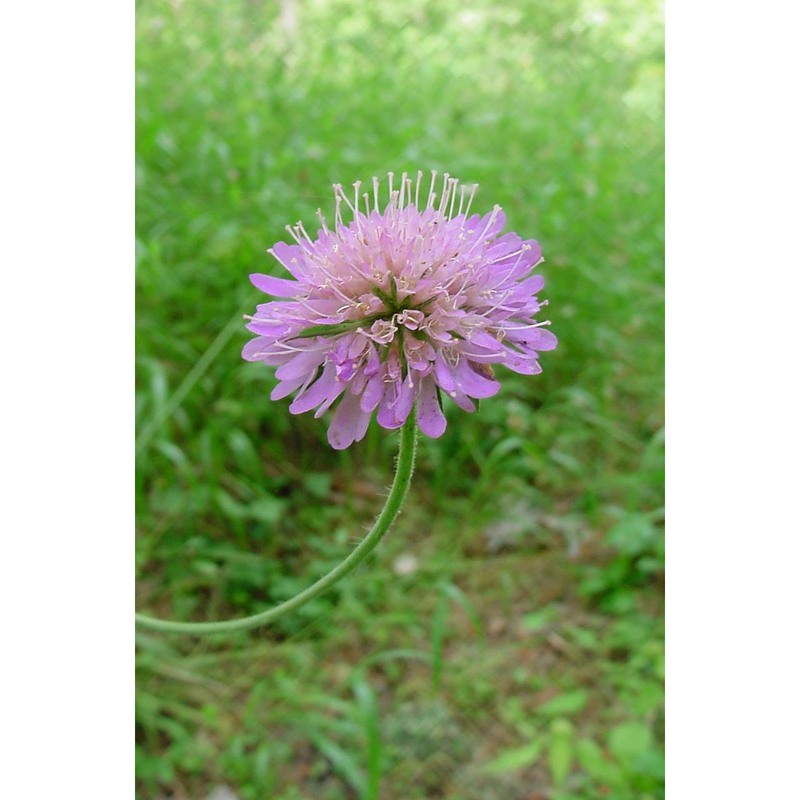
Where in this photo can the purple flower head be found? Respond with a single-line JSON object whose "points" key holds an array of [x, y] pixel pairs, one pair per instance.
{"points": [[398, 306]]}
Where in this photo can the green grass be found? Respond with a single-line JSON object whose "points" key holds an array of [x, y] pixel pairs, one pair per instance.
{"points": [[524, 656]]}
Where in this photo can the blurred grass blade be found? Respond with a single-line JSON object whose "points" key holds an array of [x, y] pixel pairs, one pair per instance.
{"points": [[189, 382]]}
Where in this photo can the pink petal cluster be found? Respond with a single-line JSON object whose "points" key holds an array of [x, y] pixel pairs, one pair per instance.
{"points": [[397, 306]]}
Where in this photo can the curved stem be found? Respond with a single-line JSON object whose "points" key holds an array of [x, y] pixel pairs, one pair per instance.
{"points": [[402, 479]]}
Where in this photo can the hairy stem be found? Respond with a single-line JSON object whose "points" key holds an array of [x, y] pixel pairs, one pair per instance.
{"points": [[402, 479]]}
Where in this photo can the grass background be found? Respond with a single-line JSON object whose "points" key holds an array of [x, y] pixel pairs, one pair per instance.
{"points": [[506, 639]]}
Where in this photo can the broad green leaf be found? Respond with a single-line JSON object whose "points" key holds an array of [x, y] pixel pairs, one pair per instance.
{"points": [[594, 763], [317, 483], [266, 509], [517, 758], [567, 703], [584, 637], [538, 619], [629, 740], [561, 750]]}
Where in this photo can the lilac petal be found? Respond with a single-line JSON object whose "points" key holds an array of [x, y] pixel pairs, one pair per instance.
{"points": [[534, 338], [373, 366], [386, 416], [255, 349], [471, 383], [323, 388], [346, 424], [517, 266], [529, 257], [486, 340], [357, 346], [292, 257], [530, 286], [362, 426], [521, 363], [329, 402], [285, 388], [301, 364], [345, 371], [325, 310], [277, 287], [274, 329], [480, 355], [339, 353], [472, 223], [405, 401], [503, 247], [491, 224], [444, 374], [430, 418], [373, 393], [439, 334], [462, 401], [544, 340], [535, 253], [394, 369], [359, 383]]}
